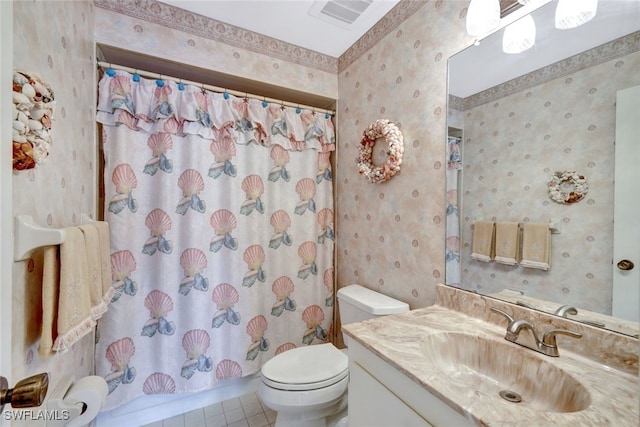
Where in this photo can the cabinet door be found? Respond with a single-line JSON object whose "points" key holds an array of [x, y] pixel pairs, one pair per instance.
{"points": [[371, 404]]}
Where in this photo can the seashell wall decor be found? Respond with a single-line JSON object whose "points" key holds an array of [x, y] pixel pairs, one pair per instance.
{"points": [[33, 104]]}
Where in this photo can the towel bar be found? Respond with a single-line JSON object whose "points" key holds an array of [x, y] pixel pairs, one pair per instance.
{"points": [[28, 236], [555, 227]]}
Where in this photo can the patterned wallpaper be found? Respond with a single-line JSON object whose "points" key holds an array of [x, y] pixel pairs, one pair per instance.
{"points": [[391, 235], [396, 71], [57, 193], [408, 213], [206, 28], [512, 147], [386, 25], [184, 21], [149, 27]]}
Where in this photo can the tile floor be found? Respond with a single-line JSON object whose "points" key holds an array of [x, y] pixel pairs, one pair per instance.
{"points": [[245, 411]]}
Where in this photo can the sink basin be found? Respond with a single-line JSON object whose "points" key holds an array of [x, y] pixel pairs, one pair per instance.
{"points": [[500, 370]]}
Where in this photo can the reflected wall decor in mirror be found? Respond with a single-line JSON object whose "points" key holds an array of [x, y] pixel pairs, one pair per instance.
{"points": [[516, 119]]}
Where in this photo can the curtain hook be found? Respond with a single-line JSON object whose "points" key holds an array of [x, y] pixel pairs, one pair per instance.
{"points": [[180, 85], [110, 72], [264, 102], [298, 109], [246, 98], [202, 89], [136, 76], [225, 94], [159, 81]]}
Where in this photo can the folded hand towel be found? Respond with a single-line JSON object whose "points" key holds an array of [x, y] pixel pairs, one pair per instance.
{"points": [[507, 243], [536, 246], [483, 245], [50, 291], [75, 319]]}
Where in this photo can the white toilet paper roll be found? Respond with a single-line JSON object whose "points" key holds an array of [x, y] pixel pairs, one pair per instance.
{"points": [[92, 391]]}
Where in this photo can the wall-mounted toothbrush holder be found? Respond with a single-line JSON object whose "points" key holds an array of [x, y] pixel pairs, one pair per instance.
{"points": [[28, 236]]}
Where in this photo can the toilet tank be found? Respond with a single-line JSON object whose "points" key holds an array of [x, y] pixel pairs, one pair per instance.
{"points": [[357, 303]]}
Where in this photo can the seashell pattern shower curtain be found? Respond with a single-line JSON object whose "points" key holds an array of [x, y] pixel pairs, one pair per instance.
{"points": [[221, 218], [452, 252]]}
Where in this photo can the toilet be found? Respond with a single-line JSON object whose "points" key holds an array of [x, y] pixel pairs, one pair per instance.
{"points": [[307, 386]]}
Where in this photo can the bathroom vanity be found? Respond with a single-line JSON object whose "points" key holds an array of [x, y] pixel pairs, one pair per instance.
{"points": [[449, 364]]}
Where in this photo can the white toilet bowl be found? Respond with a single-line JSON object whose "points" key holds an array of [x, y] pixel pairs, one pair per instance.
{"points": [[306, 386]]}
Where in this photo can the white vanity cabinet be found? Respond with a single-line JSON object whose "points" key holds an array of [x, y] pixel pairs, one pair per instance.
{"points": [[382, 396], [377, 405]]}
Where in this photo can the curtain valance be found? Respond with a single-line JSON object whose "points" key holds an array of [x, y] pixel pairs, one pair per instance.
{"points": [[164, 106]]}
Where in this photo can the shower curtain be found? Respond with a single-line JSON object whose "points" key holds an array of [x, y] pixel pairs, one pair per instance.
{"points": [[452, 252], [221, 218]]}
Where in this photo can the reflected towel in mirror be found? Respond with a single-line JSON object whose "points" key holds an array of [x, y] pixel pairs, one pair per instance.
{"points": [[536, 245], [507, 243], [483, 245]]}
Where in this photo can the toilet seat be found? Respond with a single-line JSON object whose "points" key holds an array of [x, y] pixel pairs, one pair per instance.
{"points": [[306, 368]]}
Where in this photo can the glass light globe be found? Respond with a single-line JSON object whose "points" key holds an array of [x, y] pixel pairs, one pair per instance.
{"points": [[483, 16], [519, 36], [572, 13]]}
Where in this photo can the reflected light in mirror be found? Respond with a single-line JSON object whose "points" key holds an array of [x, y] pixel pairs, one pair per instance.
{"points": [[483, 16], [519, 36], [572, 13]]}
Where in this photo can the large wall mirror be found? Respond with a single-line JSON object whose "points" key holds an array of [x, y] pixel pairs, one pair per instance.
{"points": [[516, 119]]}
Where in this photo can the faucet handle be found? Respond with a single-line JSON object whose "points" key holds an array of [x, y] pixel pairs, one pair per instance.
{"points": [[497, 310], [566, 309], [549, 337]]}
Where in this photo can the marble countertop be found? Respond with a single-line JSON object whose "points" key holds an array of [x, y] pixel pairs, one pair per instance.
{"points": [[398, 339]]}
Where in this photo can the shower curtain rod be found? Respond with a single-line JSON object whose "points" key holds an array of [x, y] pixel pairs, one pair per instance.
{"points": [[149, 74]]}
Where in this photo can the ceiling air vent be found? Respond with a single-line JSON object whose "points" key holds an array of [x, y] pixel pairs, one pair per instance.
{"points": [[339, 12]]}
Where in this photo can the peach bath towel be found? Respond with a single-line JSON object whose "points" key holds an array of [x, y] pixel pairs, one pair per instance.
{"points": [[50, 291], [74, 300], [536, 246], [507, 243], [105, 259], [98, 258], [483, 245]]}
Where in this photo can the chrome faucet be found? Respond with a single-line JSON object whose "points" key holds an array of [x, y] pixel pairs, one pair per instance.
{"points": [[566, 309], [547, 345]]}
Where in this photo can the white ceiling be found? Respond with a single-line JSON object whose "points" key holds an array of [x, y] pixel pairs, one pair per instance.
{"points": [[481, 67], [289, 21]]}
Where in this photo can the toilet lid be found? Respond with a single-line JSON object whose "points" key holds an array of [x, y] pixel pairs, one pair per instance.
{"points": [[306, 368]]}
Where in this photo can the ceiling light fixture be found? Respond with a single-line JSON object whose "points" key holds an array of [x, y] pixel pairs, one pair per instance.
{"points": [[519, 36], [483, 16], [572, 13]]}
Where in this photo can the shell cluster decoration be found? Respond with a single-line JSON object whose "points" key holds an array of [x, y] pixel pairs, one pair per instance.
{"points": [[33, 104], [381, 128], [577, 182]]}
